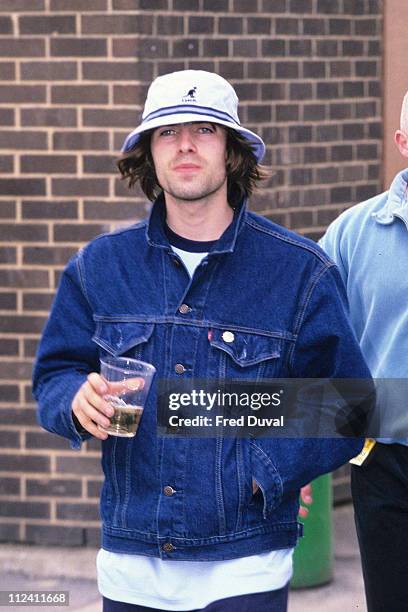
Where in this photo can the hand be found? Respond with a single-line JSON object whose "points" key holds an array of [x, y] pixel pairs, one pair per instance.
{"points": [[90, 408], [305, 498], [255, 486]]}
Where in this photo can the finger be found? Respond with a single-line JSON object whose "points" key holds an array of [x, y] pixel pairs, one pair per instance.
{"points": [[98, 383], [306, 494], [129, 384], [91, 415], [95, 400], [303, 512]]}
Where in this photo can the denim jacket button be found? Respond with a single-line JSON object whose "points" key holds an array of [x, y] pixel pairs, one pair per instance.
{"points": [[228, 336], [168, 547], [184, 309], [179, 368], [169, 491]]}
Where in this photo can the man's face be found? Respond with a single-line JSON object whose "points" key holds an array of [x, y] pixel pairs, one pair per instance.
{"points": [[189, 159]]}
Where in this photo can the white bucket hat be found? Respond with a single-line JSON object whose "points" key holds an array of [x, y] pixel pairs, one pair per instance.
{"points": [[192, 95]]}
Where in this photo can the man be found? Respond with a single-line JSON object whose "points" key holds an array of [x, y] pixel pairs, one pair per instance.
{"points": [[369, 243], [203, 289]]}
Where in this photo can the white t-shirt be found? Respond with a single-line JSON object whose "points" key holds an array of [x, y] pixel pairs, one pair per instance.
{"points": [[189, 585]]}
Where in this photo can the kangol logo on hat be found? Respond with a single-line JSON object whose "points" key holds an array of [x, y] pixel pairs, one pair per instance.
{"points": [[173, 98], [190, 97]]}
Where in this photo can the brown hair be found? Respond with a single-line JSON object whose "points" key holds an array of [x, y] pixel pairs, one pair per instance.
{"points": [[243, 170]]}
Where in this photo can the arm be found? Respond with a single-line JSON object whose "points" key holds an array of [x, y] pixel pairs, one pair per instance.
{"points": [[326, 348], [66, 357]]}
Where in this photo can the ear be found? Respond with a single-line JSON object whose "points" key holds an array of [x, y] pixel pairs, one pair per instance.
{"points": [[401, 140]]}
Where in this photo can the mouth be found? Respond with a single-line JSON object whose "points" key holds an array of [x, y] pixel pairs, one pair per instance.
{"points": [[186, 168]]}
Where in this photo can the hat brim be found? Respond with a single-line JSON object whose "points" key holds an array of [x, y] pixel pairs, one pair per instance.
{"points": [[132, 139]]}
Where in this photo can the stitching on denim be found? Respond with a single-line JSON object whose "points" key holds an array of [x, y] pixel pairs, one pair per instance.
{"points": [[240, 460], [301, 315], [115, 482], [284, 335], [219, 497], [127, 481], [288, 239], [80, 265]]}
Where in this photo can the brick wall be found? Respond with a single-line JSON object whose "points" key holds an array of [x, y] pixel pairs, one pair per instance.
{"points": [[74, 74]]}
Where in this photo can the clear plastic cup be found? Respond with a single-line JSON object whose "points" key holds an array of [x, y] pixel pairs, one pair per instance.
{"points": [[128, 382]]}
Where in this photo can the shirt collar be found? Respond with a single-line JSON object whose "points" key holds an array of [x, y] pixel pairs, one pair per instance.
{"points": [[156, 235], [396, 204]]}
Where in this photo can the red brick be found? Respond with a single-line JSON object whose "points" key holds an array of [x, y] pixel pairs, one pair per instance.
{"points": [[53, 487], [48, 164], [7, 116], [38, 301], [8, 301], [117, 24], [24, 278], [45, 440], [7, 71], [21, 5], [99, 164], [47, 24], [21, 509], [48, 71], [78, 47], [79, 187], [111, 71], [44, 209], [112, 117], [78, 94], [78, 5], [8, 346], [24, 463], [22, 47], [78, 512], [53, 255], [8, 255], [22, 186], [66, 117], [74, 141], [79, 465], [21, 324], [77, 233], [22, 93]]}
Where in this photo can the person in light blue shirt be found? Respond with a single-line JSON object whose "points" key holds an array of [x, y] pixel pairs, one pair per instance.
{"points": [[369, 243]]}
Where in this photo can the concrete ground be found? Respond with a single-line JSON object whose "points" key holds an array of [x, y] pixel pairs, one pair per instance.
{"points": [[73, 569]]}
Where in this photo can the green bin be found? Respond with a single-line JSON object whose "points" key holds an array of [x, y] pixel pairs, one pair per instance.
{"points": [[313, 557]]}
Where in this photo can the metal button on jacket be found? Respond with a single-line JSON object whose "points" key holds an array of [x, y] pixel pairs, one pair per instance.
{"points": [[168, 491], [228, 336], [179, 368], [168, 547], [184, 309]]}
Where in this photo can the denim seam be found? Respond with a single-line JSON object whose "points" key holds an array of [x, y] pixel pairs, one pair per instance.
{"points": [[241, 484], [288, 239], [284, 335], [115, 482], [82, 277], [126, 498], [301, 315]]}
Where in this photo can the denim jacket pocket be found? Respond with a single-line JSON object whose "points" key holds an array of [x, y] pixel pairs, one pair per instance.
{"points": [[247, 355], [120, 337], [267, 477]]}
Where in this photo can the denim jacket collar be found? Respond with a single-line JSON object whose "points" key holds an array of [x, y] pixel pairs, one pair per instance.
{"points": [[156, 236], [396, 205]]}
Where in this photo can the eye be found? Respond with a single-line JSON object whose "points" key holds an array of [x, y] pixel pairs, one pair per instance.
{"points": [[206, 129], [167, 132]]}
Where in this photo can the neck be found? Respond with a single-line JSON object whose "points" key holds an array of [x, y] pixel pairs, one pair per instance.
{"points": [[205, 219]]}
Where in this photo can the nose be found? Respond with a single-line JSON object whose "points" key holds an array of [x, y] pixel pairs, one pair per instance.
{"points": [[186, 141]]}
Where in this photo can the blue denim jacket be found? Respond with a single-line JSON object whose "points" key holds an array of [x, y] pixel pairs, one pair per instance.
{"points": [[284, 301]]}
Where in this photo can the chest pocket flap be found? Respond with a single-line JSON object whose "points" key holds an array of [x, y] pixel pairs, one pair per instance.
{"points": [[120, 336], [246, 349]]}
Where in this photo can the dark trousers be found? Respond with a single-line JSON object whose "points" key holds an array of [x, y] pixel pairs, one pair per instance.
{"points": [[271, 601], [380, 496]]}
